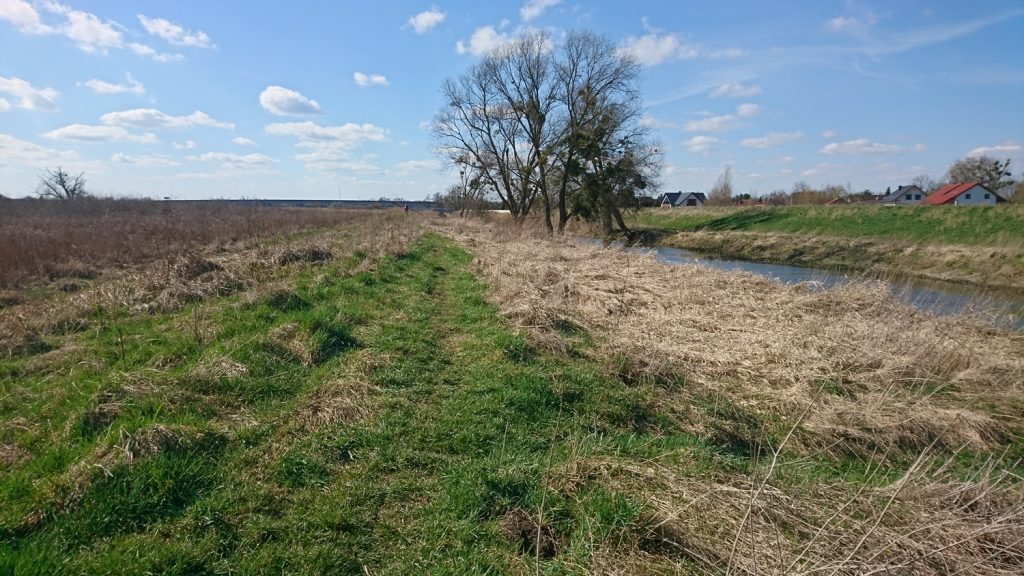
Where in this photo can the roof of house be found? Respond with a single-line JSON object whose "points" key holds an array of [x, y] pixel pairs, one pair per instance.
{"points": [[677, 198], [949, 192], [895, 194], [671, 198]]}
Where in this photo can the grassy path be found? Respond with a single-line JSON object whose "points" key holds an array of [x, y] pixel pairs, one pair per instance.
{"points": [[377, 422]]}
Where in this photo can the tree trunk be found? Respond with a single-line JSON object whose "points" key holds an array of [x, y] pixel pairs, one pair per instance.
{"points": [[563, 212], [606, 222], [619, 220], [547, 216]]}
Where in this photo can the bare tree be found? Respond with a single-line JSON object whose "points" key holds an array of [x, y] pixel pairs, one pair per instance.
{"points": [[721, 192], [544, 125], [991, 172], [61, 185], [494, 122], [602, 130], [466, 196], [925, 182]]}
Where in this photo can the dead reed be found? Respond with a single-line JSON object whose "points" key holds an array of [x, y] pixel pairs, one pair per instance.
{"points": [[848, 373]]}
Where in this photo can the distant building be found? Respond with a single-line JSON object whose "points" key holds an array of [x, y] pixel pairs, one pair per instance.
{"points": [[865, 197], [964, 194], [905, 195], [683, 199]]}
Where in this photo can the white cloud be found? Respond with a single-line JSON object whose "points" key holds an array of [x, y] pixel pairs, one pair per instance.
{"points": [[331, 146], [653, 49], [735, 90], [4, 105], [19, 153], [863, 146], [654, 122], [419, 165], [829, 134], [852, 24], [284, 102], [186, 145], [346, 135], [334, 159], [151, 118], [91, 133], [1010, 148], [483, 41], [28, 96], [727, 54], [772, 140], [369, 79], [533, 9], [174, 34], [228, 159], [143, 50], [426, 20], [748, 110], [89, 32], [142, 160], [23, 16], [132, 86], [700, 144], [723, 122], [779, 160], [242, 141]]}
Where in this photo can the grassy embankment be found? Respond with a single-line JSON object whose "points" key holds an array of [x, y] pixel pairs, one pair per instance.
{"points": [[358, 401], [976, 245]]}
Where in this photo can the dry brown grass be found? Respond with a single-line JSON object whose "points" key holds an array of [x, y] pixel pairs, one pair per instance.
{"points": [[896, 376], [42, 239], [849, 373], [925, 523], [343, 398], [191, 275]]}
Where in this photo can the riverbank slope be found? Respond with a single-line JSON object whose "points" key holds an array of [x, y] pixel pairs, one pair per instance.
{"points": [[982, 246]]}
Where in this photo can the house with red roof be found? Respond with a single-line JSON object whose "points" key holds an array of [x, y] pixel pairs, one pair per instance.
{"points": [[964, 194]]}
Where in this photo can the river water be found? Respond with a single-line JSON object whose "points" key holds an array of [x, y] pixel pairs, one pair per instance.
{"points": [[1001, 309]]}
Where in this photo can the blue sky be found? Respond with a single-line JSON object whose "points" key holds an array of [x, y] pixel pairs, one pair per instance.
{"points": [[192, 99]]}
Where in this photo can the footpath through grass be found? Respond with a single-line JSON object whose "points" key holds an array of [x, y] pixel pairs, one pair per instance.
{"points": [[384, 421], [971, 225]]}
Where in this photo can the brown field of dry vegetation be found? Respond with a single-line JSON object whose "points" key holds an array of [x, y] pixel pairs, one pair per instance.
{"points": [[807, 382], [146, 256], [78, 239]]}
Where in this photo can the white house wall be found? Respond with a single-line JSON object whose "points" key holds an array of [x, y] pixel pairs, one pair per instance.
{"points": [[915, 198], [977, 197]]}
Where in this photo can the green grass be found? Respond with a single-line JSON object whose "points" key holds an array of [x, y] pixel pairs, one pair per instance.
{"points": [[976, 225], [454, 422], [466, 422]]}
